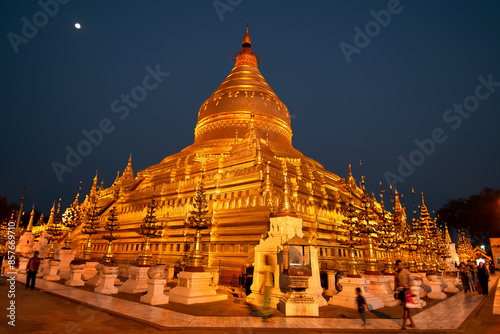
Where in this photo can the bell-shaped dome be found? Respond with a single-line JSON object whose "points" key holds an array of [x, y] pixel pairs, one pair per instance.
{"points": [[243, 98]]}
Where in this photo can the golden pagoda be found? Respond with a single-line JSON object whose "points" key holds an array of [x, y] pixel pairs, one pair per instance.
{"points": [[243, 147]]}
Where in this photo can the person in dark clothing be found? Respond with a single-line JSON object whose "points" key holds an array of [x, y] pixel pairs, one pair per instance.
{"points": [[362, 305], [483, 276], [32, 269]]}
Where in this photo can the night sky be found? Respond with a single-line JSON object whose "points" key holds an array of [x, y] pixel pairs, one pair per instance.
{"points": [[356, 89]]}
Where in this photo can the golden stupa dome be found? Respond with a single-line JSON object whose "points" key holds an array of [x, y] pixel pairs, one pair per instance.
{"points": [[244, 98]]}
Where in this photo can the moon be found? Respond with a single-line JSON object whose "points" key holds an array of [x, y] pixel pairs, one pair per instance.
{"points": [[77, 25]]}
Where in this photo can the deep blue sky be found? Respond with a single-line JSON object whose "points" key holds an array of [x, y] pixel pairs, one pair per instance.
{"points": [[394, 91]]}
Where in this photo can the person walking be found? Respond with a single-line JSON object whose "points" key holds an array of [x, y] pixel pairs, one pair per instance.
{"points": [[32, 269], [362, 305], [463, 271], [268, 284], [402, 283], [472, 275], [483, 275]]}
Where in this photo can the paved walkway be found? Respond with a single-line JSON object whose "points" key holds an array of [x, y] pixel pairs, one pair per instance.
{"points": [[450, 314]]}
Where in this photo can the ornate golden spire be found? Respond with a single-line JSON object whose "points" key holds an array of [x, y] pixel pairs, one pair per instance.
{"points": [[40, 221], [286, 204], [246, 56], [32, 217], [128, 173], [75, 202], [267, 191], [397, 203], [51, 217], [447, 234], [424, 213], [246, 39]]}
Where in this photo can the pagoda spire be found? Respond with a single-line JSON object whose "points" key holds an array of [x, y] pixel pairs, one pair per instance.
{"points": [[52, 212], [128, 173], [40, 221], [75, 202], [267, 192], [286, 205], [246, 39], [424, 213], [32, 217], [447, 234], [246, 56], [397, 203]]}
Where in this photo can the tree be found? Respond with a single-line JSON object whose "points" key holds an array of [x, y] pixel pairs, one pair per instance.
{"points": [[478, 215]]}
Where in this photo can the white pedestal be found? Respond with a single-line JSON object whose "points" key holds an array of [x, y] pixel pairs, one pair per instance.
{"points": [[75, 278], [96, 279], [418, 279], [347, 297], [23, 263], [415, 290], [331, 290], [298, 304], [194, 288], [52, 275], [315, 289], [65, 256], [155, 295], [450, 285], [89, 270], [137, 281], [380, 287], [107, 286], [436, 290], [43, 268]]}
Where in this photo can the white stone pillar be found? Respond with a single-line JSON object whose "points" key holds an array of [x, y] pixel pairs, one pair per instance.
{"points": [[23, 263], [89, 270], [108, 276], [193, 288], [381, 288], [65, 256], [332, 289], [137, 281], [76, 273], [52, 274], [436, 288], [43, 268], [96, 279], [347, 297], [450, 285], [315, 289], [156, 292]]}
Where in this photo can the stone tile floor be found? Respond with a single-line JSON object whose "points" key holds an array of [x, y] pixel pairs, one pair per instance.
{"points": [[450, 314]]}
